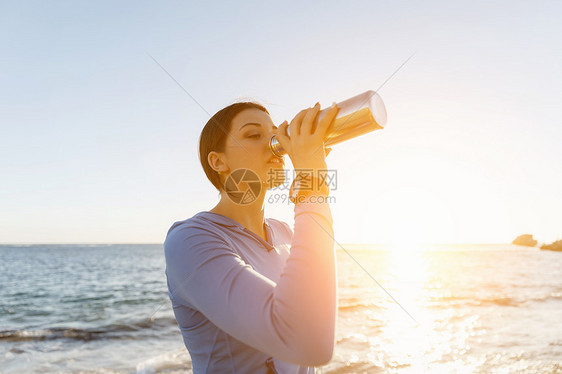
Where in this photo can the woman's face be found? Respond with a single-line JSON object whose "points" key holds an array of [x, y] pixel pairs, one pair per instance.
{"points": [[247, 146]]}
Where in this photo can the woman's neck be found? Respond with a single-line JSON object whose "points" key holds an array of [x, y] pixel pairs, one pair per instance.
{"points": [[251, 216]]}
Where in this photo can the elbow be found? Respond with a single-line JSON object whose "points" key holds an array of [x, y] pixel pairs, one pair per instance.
{"points": [[320, 353], [319, 342], [324, 355]]}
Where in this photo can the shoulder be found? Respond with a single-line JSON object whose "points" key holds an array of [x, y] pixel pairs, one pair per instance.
{"points": [[192, 246], [193, 224], [192, 232]]}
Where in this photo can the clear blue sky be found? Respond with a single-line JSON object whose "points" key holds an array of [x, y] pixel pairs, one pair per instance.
{"points": [[98, 144]]}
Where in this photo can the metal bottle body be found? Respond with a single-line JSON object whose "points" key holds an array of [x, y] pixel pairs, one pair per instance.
{"points": [[358, 115]]}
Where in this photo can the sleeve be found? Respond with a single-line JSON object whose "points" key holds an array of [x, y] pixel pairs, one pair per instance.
{"points": [[293, 320]]}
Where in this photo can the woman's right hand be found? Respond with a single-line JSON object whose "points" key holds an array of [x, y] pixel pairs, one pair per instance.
{"points": [[305, 145]]}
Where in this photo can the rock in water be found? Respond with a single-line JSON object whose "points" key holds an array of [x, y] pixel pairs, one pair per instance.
{"points": [[554, 246], [526, 240]]}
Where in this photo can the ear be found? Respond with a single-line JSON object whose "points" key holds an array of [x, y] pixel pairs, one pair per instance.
{"points": [[216, 162]]}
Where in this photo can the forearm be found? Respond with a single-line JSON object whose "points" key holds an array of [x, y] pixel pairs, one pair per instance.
{"points": [[305, 295]]}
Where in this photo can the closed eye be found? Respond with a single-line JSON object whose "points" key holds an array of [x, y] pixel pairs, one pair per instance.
{"points": [[254, 136]]}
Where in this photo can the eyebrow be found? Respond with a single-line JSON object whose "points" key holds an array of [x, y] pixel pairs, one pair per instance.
{"points": [[255, 124]]}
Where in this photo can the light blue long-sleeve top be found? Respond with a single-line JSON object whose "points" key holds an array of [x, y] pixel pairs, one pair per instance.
{"points": [[240, 300]]}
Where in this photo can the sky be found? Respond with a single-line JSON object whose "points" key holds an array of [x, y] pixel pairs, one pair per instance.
{"points": [[99, 145]]}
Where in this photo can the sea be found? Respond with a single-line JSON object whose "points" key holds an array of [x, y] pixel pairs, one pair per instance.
{"points": [[492, 308]]}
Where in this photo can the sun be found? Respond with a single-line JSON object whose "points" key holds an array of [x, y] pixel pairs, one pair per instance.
{"points": [[408, 236], [406, 244]]}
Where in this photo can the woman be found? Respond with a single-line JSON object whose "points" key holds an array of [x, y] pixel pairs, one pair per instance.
{"points": [[251, 295]]}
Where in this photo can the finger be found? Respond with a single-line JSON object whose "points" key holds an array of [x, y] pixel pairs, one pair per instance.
{"points": [[309, 119], [327, 120], [296, 122]]}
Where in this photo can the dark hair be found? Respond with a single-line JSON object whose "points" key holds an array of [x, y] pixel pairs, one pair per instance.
{"points": [[214, 134]]}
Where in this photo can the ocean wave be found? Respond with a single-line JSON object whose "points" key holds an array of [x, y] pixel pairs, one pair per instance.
{"points": [[357, 306], [457, 302], [112, 331], [460, 301], [551, 296], [169, 362], [353, 303]]}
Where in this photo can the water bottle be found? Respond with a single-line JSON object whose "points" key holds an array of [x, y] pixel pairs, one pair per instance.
{"points": [[358, 115]]}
